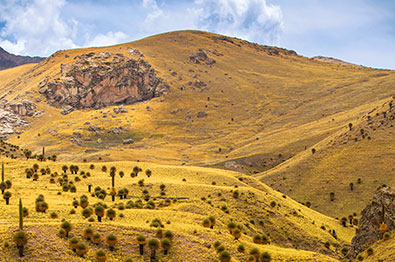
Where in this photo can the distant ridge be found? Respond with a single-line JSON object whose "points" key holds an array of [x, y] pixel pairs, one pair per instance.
{"points": [[332, 60], [8, 60]]}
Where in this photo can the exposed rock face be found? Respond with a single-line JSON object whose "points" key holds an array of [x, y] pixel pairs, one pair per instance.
{"points": [[25, 108], [8, 122], [99, 80], [381, 208], [201, 58]]}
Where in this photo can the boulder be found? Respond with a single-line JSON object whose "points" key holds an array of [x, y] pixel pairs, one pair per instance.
{"points": [[128, 141], [67, 110]]}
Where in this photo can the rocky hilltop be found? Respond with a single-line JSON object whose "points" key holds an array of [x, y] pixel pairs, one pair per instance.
{"points": [[381, 210], [8, 60], [103, 79]]}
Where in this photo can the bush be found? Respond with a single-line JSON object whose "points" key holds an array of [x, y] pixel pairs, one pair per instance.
{"points": [[265, 257]]}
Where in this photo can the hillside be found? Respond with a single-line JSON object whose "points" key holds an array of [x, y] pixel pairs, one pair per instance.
{"points": [[295, 232], [362, 155], [8, 60], [205, 117]]}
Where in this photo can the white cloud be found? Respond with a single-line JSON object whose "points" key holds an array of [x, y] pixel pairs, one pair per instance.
{"points": [[110, 38], [155, 11], [35, 27], [254, 20]]}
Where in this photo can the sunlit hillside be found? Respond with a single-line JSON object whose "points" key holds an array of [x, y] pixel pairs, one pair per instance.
{"points": [[263, 105], [295, 232]]}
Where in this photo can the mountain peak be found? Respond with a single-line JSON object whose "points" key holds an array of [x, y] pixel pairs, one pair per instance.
{"points": [[8, 60]]}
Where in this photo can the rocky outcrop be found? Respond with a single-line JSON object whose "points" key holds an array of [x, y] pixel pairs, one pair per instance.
{"points": [[201, 58], [380, 209], [26, 108], [9, 122], [103, 79]]}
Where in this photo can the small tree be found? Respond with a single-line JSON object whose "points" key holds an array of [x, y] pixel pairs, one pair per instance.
{"points": [[224, 256], [101, 256], [20, 239], [265, 257], [88, 233], [351, 186], [153, 244], [141, 241], [166, 245], [212, 221], [99, 211], [111, 213], [350, 126], [81, 249], [111, 241], [66, 226], [147, 172], [7, 196]]}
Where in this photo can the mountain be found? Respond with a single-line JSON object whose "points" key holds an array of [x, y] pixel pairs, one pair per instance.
{"points": [[8, 60], [209, 115]]}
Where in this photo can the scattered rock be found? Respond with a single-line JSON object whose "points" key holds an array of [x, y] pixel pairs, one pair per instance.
{"points": [[120, 109], [201, 58], [93, 128], [201, 114], [128, 141]]}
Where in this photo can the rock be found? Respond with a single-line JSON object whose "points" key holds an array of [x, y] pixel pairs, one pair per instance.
{"points": [[67, 110], [136, 52], [128, 141], [176, 111], [116, 130], [87, 123], [201, 114], [24, 108], [120, 109], [208, 245], [38, 99], [77, 134], [93, 128], [95, 82], [380, 209], [9, 121], [201, 58], [99, 141], [38, 113]]}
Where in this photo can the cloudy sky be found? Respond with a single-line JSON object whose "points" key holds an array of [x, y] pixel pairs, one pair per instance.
{"points": [[358, 31]]}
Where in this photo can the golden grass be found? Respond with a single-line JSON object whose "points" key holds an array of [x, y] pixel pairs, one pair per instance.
{"points": [[185, 216]]}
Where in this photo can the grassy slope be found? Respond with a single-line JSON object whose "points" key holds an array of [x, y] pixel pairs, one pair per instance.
{"points": [[383, 250], [338, 162], [288, 231], [276, 102]]}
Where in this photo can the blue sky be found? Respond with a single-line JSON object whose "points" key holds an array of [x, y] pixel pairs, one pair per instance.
{"points": [[358, 31]]}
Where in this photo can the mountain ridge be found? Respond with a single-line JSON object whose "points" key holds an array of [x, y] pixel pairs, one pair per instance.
{"points": [[8, 60]]}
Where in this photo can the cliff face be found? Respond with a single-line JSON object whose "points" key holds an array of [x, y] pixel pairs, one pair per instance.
{"points": [[103, 79], [8, 60], [380, 209]]}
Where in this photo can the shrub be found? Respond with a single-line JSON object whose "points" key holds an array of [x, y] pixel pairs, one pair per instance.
{"points": [[265, 257], [369, 251], [241, 248]]}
